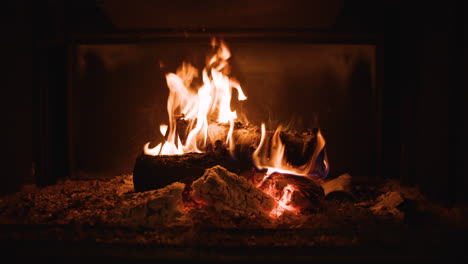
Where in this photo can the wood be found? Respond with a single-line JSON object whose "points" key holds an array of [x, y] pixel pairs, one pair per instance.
{"points": [[154, 172], [299, 145]]}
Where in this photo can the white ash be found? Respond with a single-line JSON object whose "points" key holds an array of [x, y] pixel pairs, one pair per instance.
{"points": [[227, 195], [408, 192], [162, 206], [340, 184], [387, 204]]}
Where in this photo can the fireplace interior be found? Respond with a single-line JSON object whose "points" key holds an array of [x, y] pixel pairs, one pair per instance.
{"points": [[121, 92], [366, 99]]}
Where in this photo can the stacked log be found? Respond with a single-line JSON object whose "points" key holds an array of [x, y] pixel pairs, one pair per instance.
{"points": [[155, 172]]}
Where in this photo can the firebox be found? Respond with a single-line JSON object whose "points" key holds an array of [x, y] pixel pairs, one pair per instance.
{"points": [[119, 94]]}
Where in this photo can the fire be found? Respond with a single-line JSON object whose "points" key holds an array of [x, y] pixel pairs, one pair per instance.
{"points": [[199, 105], [198, 108], [167, 147], [270, 155]]}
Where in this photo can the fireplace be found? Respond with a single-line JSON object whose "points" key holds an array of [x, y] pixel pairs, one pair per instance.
{"points": [[358, 82]]}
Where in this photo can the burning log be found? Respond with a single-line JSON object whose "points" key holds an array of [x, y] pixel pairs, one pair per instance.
{"points": [[200, 117], [299, 146], [154, 172]]}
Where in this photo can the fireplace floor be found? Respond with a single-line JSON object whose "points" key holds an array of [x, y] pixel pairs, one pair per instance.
{"points": [[95, 218]]}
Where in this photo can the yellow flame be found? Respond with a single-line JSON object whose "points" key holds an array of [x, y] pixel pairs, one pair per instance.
{"points": [[166, 148], [230, 138], [276, 160], [152, 151], [163, 129], [198, 106]]}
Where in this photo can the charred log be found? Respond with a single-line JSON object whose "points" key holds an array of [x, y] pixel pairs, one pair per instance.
{"points": [[154, 172], [299, 145]]}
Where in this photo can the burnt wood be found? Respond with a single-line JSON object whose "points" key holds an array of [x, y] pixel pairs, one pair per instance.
{"points": [[154, 172]]}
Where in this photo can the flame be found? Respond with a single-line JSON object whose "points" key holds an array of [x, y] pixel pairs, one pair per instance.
{"points": [[168, 148], [199, 106], [230, 138], [271, 156]]}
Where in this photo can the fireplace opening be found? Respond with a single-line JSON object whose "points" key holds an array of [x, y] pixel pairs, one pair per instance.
{"points": [[120, 95]]}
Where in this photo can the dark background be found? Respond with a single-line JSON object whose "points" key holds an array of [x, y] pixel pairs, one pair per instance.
{"points": [[423, 74]]}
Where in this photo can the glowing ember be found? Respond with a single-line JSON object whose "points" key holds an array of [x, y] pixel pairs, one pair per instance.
{"points": [[284, 203]]}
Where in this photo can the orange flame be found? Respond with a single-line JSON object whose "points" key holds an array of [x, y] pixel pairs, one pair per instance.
{"points": [[197, 106], [167, 147], [270, 155], [276, 160]]}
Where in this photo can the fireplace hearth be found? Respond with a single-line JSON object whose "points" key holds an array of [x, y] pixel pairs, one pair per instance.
{"points": [[95, 218], [220, 132]]}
